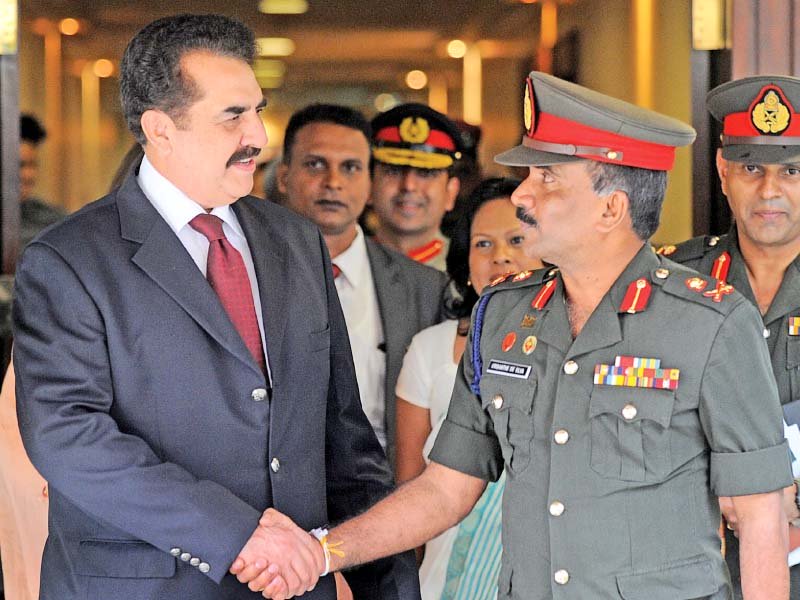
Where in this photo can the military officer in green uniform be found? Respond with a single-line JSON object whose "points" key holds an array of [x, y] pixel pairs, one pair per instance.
{"points": [[616, 391], [759, 167]]}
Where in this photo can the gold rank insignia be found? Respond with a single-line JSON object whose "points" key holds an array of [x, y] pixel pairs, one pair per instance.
{"points": [[528, 321], [722, 289], [770, 115], [414, 130], [522, 276], [666, 250], [528, 109], [696, 284]]}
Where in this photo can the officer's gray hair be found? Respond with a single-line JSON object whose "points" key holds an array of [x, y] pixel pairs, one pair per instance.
{"points": [[645, 190]]}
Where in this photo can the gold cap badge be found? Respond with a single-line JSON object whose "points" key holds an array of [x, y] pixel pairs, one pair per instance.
{"points": [[770, 115], [414, 130], [527, 108]]}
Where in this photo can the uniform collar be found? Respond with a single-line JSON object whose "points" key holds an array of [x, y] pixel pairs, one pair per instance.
{"points": [[785, 300]]}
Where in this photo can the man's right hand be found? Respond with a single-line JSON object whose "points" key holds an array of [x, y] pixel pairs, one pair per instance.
{"points": [[281, 556]]}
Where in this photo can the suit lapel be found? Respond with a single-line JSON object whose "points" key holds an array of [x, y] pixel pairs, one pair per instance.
{"points": [[162, 257], [271, 272]]}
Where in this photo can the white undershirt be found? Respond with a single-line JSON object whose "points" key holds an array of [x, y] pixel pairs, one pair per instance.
{"points": [[177, 209], [359, 300]]}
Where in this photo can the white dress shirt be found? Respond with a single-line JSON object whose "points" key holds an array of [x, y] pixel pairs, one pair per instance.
{"points": [[359, 301], [177, 209]]}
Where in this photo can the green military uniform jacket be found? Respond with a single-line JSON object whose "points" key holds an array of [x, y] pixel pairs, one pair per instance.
{"points": [[702, 253], [611, 490]]}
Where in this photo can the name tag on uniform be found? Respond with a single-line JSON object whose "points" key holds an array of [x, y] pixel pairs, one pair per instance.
{"points": [[500, 367]]}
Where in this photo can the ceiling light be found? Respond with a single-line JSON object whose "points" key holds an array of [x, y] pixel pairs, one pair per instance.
{"points": [[69, 26], [283, 7], [384, 102], [456, 49], [103, 68], [269, 46], [416, 79]]}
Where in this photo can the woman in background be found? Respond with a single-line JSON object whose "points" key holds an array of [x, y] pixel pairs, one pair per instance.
{"points": [[488, 241]]}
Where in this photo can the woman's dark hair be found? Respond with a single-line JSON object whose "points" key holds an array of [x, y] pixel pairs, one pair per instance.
{"points": [[461, 296]]}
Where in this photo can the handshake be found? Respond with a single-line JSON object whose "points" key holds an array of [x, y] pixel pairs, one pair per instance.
{"points": [[280, 560]]}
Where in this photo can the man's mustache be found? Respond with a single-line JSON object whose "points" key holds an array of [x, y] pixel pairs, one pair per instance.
{"points": [[526, 218], [245, 153]]}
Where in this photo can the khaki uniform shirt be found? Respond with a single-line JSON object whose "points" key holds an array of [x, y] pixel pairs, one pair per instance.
{"points": [[701, 254], [611, 489]]}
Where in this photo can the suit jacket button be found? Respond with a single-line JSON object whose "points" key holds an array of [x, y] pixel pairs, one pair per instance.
{"points": [[195, 561], [185, 557], [176, 552], [258, 395], [275, 465], [204, 567]]}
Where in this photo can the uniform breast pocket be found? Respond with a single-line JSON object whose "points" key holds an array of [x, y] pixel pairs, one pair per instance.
{"points": [[509, 403], [630, 432]]}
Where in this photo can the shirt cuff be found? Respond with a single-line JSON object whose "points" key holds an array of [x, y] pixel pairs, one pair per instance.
{"points": [[468, 451], [755, 472]]}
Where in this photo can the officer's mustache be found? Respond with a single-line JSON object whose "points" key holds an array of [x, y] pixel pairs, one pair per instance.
{"points": [[525, 217], [245, 153]]}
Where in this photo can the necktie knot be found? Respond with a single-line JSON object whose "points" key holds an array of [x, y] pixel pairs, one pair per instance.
{"points": [[209, 225]]}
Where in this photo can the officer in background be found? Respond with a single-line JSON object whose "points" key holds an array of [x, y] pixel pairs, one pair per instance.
{"points": [[759, 168], [414, 182], [616, 391]]}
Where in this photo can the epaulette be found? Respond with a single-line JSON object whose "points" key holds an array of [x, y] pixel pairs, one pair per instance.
{"points": [[696, 287], [692, 249], [507, 282], [521, 279]]}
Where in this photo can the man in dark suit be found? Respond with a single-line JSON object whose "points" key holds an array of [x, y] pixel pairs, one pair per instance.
{"points": [[386, 297], [166, 413]]}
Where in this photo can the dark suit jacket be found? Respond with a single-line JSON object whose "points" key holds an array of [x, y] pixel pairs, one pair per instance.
{"points": [[137, 401], [409, 299]]}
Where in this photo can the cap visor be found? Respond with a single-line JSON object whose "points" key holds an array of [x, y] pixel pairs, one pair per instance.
{"points": [[762, 154], [522, 156]]}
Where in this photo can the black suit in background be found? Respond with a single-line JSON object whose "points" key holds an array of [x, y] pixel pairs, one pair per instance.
{"points": [[141, 406]]}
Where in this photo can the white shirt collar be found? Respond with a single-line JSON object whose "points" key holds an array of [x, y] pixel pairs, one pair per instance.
{"points": [[354, 262], [175, 207]]}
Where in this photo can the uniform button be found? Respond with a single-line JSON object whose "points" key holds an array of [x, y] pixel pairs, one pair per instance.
{"points": [[767, 333], [662, 273], [185, 557], [194, 562], [556, 508], [713, 241], [629, 412], [561, 576], [570, 367], [258, 394], [497, 402], [176, 552], [275, 465], [561, 437], [204, 567]]}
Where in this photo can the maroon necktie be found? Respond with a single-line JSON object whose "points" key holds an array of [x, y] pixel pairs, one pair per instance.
{"points": [[336, 271], [227, 275]]}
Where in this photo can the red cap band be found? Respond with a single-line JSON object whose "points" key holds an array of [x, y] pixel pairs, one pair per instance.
{"points": [[607, 147], [437, 139]]}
